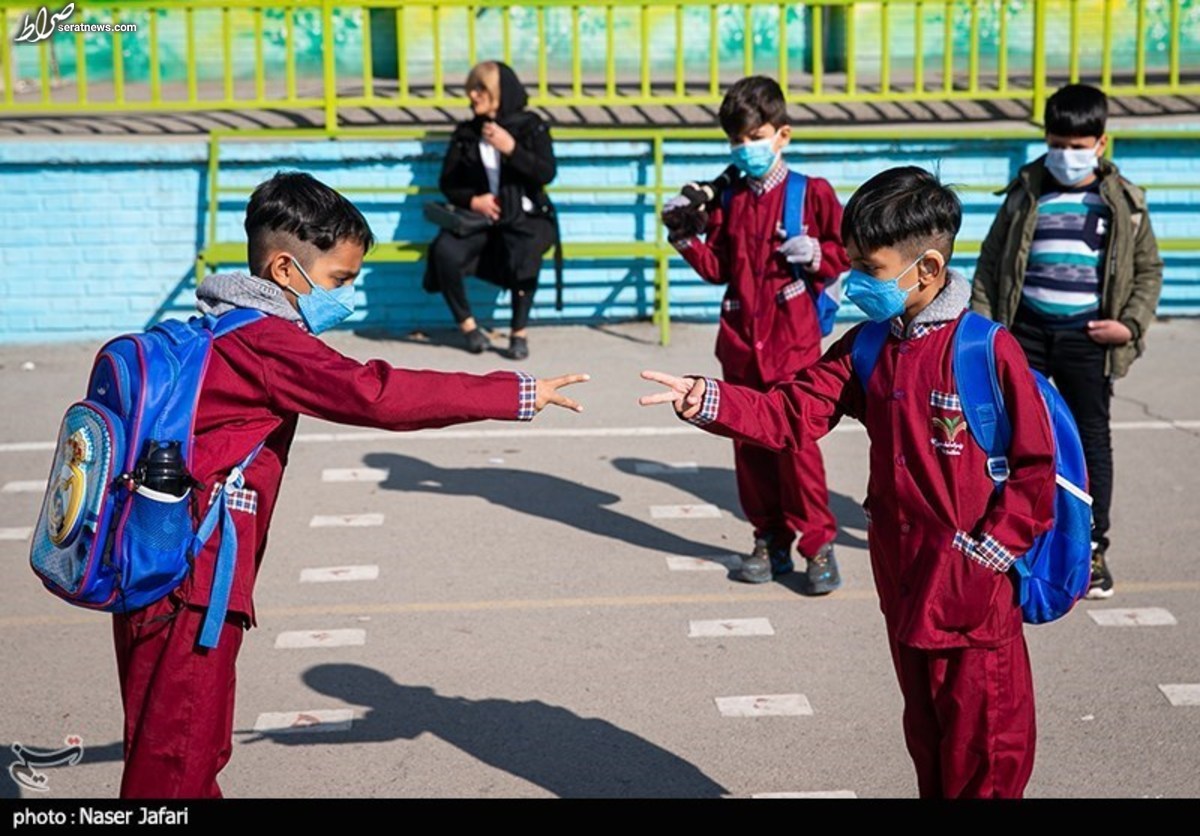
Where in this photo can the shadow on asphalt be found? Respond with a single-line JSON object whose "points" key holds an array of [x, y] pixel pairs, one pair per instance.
{"points": [[536, 494], [718, 486], [547, 745]]}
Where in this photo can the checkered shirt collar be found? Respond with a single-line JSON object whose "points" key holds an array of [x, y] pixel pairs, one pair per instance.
{"points": [[773, 178], [917, 329]]}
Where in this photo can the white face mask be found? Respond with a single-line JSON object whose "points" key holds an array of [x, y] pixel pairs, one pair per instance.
{"points": [[1070, 166]]}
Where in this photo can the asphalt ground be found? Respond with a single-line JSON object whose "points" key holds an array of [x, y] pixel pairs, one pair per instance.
{"points": [[524, 635]]}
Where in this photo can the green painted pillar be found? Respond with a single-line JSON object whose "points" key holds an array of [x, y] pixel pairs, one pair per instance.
{"points": [[384, 63], [834, 20]]}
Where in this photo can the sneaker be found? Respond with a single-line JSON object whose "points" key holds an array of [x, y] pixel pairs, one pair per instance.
{"points": [[1102, 582], [518, 348], [766, 562], [821, 577], [757, 567], [477, 341]]}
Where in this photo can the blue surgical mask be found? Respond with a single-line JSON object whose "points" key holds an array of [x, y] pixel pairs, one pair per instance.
{"points": [[879, 299], [1070, 166], [322, 309], [756, 158]]}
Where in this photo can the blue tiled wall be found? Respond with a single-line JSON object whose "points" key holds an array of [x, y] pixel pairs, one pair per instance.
{"points": [[99, 236]]}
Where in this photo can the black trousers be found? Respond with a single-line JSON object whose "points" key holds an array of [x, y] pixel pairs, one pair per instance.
{"points": [[453, 259], [1075, 363]]}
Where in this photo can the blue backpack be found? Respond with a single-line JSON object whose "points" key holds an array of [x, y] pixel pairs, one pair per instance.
{"points": [[1054, 573], [105, 539], [793, 214]]}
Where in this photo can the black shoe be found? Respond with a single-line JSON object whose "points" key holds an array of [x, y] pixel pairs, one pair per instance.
{"points": [[477, 341], [1101, 585], [822, 576], [518, 348]]}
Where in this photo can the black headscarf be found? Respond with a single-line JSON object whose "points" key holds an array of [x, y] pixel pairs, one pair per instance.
{"points": [[513, 99]]}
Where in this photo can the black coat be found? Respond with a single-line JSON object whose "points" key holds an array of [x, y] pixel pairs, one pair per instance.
{"points": [[518, 241]]}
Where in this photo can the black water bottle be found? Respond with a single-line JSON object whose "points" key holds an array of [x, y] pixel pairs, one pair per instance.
{"points": [[162, 468]]}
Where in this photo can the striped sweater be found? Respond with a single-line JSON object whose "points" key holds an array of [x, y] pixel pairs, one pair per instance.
{"points": [[1066, 262]]}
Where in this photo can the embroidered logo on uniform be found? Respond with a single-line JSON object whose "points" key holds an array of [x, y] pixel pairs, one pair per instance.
{"points": [[950, 428]]}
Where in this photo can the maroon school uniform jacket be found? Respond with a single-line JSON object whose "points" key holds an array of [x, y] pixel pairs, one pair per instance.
{"points": [[263, 376], [769, 329], [941, 538]]}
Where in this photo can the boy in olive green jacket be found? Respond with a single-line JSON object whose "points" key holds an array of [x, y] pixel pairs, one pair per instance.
{"points": [[1071, 267]]}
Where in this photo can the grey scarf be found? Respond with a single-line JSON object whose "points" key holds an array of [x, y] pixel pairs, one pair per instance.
{"points": [[226, 291], [947, 305]]}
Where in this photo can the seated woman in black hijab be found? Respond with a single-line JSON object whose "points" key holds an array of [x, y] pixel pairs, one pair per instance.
{"points": [[497, 166]]}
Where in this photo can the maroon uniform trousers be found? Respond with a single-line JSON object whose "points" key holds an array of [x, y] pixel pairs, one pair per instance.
{"points": [[942, 539], [769, 333], [179, 697]]}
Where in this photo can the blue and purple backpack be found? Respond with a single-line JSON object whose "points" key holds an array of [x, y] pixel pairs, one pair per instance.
{"points": [[1055, 572], [106, 539]]}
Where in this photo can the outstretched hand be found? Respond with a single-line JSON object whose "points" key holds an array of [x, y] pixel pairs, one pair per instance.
{"points": [[685, 393], [547, 392]]}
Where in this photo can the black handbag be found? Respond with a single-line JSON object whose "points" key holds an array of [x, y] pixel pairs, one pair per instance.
{"points": [[461, 223]]}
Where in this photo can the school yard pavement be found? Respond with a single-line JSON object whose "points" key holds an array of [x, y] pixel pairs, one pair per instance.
{"points": [[502, 609]]}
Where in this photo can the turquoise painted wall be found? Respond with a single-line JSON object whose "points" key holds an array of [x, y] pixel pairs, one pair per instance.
{"points": [[99, 236]]}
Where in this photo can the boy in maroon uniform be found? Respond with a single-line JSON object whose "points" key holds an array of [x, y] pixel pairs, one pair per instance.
{"points": [[769, 329], [942, 539], [306, 246]]}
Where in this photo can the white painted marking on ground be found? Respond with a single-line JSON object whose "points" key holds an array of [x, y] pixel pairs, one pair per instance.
{"points": [[350, 520], [730, 627], [684, 512], [306, 722], [495, 460], [354, 474], [15, 533], [825, 794], [659, 468], [295, 639], [28, 446], [24, 487], [1182, 695], [765, 705], [593, 432], [331, 574], [704, 564], [1143, 617]]}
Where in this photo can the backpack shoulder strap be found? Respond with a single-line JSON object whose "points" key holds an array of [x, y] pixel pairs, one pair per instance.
{"points": [[868, 344], [793, 203], [231, 321], [979, 391]]}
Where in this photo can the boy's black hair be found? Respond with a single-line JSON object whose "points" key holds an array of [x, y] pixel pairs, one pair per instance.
{"points": [[296, 204], [1077, 110], [907, 208], [750, 103]]}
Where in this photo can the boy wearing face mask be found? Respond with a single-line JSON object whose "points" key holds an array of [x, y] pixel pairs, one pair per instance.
{"points": [[942, 539], [769, 329], [306, 247], [1072, 267]]}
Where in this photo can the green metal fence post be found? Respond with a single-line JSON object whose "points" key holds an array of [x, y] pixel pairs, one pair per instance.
{"points": [[328, 64], [1039, 62]]}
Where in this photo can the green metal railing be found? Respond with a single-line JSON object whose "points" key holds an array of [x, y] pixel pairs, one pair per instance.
{"points": [[326, 55], [652, 189]]}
